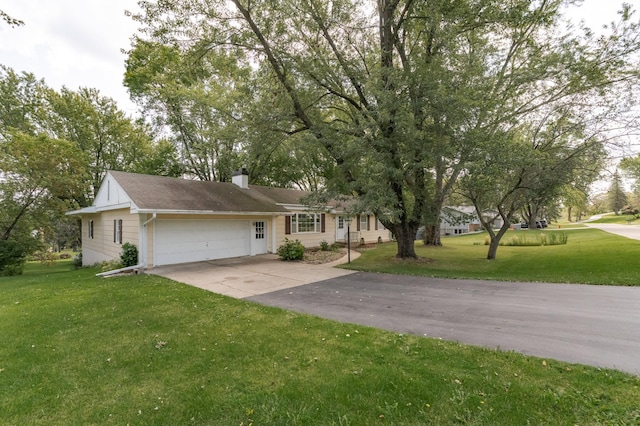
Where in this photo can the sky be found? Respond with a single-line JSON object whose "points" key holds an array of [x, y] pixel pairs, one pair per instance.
{"points": [[78, 43]]}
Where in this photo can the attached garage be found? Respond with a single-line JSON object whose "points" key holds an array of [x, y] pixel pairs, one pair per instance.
{"points": [[180, 241]]}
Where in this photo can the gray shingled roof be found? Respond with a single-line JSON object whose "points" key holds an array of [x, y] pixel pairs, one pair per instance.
{"points": [[165, 193]]}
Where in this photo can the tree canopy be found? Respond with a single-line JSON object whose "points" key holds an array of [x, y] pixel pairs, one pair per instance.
{"points": [[403, 97]]}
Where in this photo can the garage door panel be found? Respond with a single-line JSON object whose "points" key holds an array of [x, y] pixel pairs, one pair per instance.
{"points": [[180, 241]]}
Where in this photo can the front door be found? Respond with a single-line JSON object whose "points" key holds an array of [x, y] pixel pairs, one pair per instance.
{"points": [[259, 237], [341, 229]]}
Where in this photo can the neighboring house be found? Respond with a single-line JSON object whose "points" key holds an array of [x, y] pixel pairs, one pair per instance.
{"points": [[174, 220], [464, 219]]}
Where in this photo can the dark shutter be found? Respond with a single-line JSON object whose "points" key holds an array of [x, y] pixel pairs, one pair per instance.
{"points": [[115, 229], [287, 225], [376, 222], [322, 219], [368, 219], [358, 221], [120, 229]]}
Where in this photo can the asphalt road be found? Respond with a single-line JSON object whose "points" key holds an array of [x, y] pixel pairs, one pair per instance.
{"points": [[593, 325]]}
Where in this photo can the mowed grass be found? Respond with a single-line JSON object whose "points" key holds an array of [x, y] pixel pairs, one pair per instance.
{"points": [[591, 256], [144, 350], [621, 219]]}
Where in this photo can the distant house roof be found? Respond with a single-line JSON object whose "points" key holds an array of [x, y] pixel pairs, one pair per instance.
{"points": [[158, 193]]}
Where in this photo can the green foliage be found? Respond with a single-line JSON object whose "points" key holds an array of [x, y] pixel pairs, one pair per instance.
{"points": [[129, 255], [13, 256], [291, 250], [324, 246], [109, 265], [538, 239], [617, 198], [77, 261]]}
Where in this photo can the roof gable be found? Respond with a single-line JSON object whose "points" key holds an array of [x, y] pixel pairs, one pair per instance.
{"points": [[111, 193]]}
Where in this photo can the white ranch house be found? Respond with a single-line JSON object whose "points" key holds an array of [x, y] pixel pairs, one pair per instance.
{"points": [[174, 220]]}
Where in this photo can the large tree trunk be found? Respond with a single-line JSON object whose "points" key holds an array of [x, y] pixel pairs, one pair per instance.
{"points": [[405, 234], [495, 240], [432, 235]]}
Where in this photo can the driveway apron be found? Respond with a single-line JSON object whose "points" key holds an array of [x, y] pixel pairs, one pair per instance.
{"points": [[248, 276]]}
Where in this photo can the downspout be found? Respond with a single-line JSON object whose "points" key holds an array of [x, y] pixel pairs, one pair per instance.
{"points": [[146, 240]]}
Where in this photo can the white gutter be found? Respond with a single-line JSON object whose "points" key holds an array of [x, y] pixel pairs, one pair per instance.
{"points": [[143, 239], [150, 220]]}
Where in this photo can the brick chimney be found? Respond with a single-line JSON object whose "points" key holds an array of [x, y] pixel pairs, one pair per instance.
{"points": [[241, 178]]}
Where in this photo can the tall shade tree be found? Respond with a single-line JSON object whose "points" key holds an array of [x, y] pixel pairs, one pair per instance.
{"points": [[198, 98], [109, 139], [22, 102], [39, 177], [398, 94]]}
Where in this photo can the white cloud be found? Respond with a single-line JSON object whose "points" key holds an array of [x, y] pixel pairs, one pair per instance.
{"points": [[72, 43]]}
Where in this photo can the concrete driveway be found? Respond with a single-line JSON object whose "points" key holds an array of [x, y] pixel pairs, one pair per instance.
{"points": [[629, 231], [248, 276], [593, 325]]}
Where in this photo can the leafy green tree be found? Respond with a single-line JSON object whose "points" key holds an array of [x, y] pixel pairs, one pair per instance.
{"points": [[617, 198], [196, 100], [402, 101], [576, 201], [22, 99], [39, 176], [527, 167], [109, 139]]}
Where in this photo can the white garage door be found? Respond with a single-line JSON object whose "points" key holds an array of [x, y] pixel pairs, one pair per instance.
{"points": [[180, 241]]}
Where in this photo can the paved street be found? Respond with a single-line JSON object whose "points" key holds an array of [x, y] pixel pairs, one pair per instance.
{"points": [[594, 325]]}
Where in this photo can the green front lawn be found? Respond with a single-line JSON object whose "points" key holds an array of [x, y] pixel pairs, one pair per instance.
{"points": [[622, 219], [590, 256]]}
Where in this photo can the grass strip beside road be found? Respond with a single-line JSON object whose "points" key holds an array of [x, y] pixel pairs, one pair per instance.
{"points": [[78, 349], [591, 256]]}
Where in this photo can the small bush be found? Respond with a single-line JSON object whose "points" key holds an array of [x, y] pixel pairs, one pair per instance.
{"points": [[129, 255], [324, 246], [291, 250], [77, 261], [14, 254], [65, 256], [45, 257]]}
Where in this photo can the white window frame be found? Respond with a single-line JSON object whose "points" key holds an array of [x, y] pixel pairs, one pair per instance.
{"points": [[117, 232], [296, 222], [364, 222], [260, 227]]}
